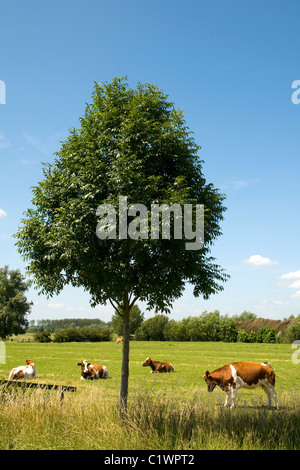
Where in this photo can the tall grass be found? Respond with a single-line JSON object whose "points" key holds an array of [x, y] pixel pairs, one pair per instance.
{"points": [[34, 419]]}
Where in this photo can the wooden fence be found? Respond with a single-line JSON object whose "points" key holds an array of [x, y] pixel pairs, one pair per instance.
{"points": [[24, 384]]}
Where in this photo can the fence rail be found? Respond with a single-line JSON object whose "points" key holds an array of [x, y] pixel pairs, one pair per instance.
{"points": [[24, 384]]}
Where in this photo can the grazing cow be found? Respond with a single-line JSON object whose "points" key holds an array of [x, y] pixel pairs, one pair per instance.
{"points": [[92, 371], [23, 372], [158, 366], [119, 340], [237, 375]]}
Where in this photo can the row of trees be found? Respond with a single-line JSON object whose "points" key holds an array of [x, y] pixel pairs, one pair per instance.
{"points": [[37, 326], [212, 326], [209, 326]]}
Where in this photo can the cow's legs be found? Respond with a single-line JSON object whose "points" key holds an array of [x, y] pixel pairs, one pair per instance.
{"points": [[271, 393], [274, 395], [267, 391], [233, 397], [227, 398], [231, 391]]}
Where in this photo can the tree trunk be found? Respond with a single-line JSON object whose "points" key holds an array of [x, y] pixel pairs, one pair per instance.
{"points": [[125, 360]]}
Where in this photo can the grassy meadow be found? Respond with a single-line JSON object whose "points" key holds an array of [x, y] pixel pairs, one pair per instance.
{"points": [[173, 410]]}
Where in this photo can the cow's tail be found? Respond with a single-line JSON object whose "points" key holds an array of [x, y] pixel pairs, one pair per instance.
{"points": [[273, 372]]}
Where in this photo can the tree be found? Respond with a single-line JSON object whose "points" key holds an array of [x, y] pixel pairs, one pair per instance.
{"points": [[132, 147], [153, 329], [14, 306], [228, 330], [136, 319], [246, 316], [293, 332]]}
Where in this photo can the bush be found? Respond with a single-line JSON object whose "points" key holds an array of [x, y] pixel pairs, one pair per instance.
{"points": [[42, 337], [245, 337], [252, 337], [82, 335], [242, 336], [266, 335]]}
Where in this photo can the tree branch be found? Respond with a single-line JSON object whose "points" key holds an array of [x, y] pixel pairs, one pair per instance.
{"points": [[116, 307]]}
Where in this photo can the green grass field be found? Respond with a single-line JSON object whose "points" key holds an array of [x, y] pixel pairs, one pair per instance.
{"points": [[173, 409]]}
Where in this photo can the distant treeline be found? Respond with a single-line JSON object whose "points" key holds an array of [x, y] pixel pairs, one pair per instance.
{"points": [[212, 326], [208, 326], [37, 326]]}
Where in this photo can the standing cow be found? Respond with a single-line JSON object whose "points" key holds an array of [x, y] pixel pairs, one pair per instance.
{"points": [[237, 375]]}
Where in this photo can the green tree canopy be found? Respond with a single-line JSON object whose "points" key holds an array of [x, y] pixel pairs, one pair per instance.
{"points": [[131, 143], [14, 306]]}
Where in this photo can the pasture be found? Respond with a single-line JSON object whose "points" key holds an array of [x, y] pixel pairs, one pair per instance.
{"points": [[173, 410]]}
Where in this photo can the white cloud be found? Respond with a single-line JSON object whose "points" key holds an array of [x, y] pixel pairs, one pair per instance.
{"points": [[291, 275], [295, 276], [258, 260], [2, 213], [295, 285], [55, 306]]}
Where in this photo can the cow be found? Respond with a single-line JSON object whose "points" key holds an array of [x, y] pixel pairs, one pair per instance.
{"points": [[92, 371], [158, 366], [119, 340], [237, 375], [23, 372]]}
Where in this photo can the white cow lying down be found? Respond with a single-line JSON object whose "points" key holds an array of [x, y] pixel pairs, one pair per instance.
{"points": [[23, 372]]}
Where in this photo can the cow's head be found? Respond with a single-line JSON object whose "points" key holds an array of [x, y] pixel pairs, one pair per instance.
{"points": [[146, 362], [29, 362], [84, 368], [211, 383]]}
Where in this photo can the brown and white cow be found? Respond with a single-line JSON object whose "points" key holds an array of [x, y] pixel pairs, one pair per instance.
{"points": [[237, 375], [158, 366], [23, 372], [92, 371]]}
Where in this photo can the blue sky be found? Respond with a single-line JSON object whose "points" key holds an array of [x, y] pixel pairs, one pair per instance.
{"points": [[230, 66]]}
